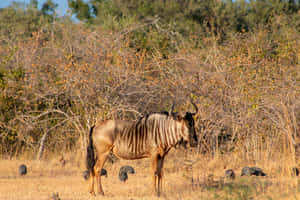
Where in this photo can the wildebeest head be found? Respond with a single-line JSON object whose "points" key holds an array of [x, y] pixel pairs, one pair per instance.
{"points": [[188, 119]]}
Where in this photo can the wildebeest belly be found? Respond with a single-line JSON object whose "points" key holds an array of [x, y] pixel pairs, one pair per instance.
{"points": [[129, 153]]}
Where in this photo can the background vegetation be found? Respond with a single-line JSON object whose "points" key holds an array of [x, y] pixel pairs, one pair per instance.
{"points": [[237, 60]]}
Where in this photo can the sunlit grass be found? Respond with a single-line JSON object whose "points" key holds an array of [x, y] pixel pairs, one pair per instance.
{"points": [[204, 180]]}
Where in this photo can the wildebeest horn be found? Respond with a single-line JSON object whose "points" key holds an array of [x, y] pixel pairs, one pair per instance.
{"points": [[196, 108], [171, 109]]}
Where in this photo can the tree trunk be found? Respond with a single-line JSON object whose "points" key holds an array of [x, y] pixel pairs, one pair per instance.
{"points": [[42, 146]]}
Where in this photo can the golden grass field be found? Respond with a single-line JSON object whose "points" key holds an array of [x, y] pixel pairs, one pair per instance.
{"points": [[204, 180]]}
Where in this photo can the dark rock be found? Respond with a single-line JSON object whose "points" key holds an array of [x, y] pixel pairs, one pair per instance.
{"points": [[246, 171], [127, 169], [103, 172], [257, 171], [22, 170], [86, 174], [123, 176], [249, 171], [229, 174]]}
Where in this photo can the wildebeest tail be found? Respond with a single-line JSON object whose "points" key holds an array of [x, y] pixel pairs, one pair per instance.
{"points": [[90, 156]]}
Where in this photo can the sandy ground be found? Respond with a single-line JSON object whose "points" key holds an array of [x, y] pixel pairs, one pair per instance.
{"points": [[202, 181]]}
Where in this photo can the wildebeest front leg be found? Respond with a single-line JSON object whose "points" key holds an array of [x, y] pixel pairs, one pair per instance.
{"points": [[154, 172], [160, 163], [98, 166]]}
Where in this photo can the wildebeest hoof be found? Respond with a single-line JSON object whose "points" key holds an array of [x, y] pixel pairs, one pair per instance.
{"points": [[158, 194], [55, 196], [93, 194]]}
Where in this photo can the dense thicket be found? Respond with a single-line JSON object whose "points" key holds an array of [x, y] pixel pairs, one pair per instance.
{"points": [[237, 60], [215, 17]]}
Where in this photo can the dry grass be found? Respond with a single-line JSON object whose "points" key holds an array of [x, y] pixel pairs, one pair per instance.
{"points": [[203, 179]]}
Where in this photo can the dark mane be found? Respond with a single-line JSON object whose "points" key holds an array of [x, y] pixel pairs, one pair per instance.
{"points": [[149, 114]]}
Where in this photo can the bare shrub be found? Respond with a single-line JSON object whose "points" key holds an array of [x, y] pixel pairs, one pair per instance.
{"points": [[62, 79]]}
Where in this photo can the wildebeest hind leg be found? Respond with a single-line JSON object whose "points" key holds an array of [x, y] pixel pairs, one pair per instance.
{"points": [[99, 164], [91, 185]]}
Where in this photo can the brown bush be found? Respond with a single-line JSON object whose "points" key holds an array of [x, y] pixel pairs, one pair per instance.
{"points": [[58, 82]]}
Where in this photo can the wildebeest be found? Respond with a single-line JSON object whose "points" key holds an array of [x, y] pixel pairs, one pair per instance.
{"points": [[152, 136], [22, 170]]}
